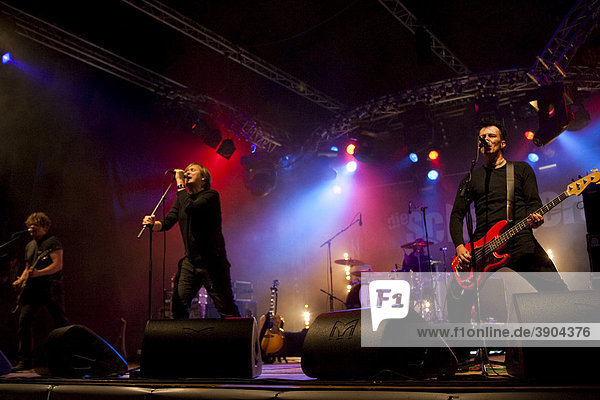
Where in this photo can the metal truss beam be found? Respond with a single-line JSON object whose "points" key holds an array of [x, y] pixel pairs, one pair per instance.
{"points": [[438, 94], [222, 46], [552, 64], [410, 21], [262, 135]]}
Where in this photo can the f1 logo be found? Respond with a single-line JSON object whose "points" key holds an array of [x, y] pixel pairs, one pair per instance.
{"points": [[389, 300]]}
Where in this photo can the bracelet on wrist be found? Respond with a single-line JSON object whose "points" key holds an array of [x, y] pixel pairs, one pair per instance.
{"points": [[180, 186]]}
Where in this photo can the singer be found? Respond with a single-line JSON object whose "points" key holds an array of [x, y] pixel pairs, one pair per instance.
{"points": [[488, 192], [41, 284], [197, 209]]}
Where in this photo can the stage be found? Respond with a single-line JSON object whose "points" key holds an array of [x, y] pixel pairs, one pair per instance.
{"points": [[282, 380]]}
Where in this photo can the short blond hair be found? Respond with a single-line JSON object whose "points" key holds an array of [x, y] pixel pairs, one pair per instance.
{"points": [[204, 173], [39, 218]]}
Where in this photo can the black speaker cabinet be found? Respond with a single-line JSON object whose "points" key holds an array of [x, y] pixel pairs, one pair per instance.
{"points": [[557, 362], [199, 348], [5, 366], [75, 351], [591, 199], [332, 350]]}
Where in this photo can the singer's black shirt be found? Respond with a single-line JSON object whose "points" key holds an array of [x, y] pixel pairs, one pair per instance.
{"points": [[199, 217], [489, 198]]}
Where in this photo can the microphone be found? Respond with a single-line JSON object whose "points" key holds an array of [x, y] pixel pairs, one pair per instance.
{"points": [[20, 233], [360, 219], [483, 142], [185, 174], [409, 207]]}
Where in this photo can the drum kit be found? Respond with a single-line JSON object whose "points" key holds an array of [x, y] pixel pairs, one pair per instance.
{"points": [[425, 275]]}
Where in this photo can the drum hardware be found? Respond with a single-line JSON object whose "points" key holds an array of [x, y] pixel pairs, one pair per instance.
{"points": [[350, 262], [417, 244], [359, 272]]}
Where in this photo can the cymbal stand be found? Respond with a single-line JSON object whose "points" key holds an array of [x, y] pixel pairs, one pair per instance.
{"points": [[329, 291]]}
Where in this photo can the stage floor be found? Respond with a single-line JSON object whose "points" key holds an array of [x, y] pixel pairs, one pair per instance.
{"points": [[282, 380]]}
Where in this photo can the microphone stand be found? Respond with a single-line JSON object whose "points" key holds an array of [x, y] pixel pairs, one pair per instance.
{"points": [[466, 192], [150, 248], [10, 242], [329, 264]]}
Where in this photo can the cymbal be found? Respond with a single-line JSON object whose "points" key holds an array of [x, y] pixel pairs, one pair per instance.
{"points": [[350, 262], [359, 272], [417, 244]]}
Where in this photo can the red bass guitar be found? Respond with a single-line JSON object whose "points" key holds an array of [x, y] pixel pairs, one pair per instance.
{"points": [[487, 249]]}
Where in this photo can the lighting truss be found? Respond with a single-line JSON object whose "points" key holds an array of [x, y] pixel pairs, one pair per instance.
{"points": [[200, 34], [458, 91], [451, 97], [262, 135], [552, 64], [410, 21]]}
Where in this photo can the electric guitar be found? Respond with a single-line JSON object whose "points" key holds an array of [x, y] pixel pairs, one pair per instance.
{"points": [[272, 339], [486, 250], [21, 287]]}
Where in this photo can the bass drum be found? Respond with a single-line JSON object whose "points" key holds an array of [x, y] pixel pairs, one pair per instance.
{"points": [[415, 262], [353, 298]]}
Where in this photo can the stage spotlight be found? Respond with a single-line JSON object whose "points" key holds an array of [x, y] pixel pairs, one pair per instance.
{"points": [[226, 149], [433, 155], [210, 135], [6, 58], [553, 113], [533, 157], [334, 149], [350, 149], [529, 135], [413, 157], [260, 174], [581, 117], [433, 175], [351, 166], [337, 189]]}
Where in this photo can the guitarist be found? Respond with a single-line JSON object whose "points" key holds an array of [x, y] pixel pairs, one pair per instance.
{"points": [[489, 194], [41, 283]]}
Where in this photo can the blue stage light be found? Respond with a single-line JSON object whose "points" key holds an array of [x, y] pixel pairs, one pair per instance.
{"points": [[5, 58], [533, 157], [334, 148], [413, 157], [433, 175]]}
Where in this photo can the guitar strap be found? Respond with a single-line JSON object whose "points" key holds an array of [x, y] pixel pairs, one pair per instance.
{"points": [[510, 191]]}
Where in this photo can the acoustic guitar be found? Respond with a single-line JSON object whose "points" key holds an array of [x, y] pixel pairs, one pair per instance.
{"points": [[272, 338], [487, 249]]}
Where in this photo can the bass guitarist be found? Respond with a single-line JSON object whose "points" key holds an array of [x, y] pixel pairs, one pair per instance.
{"points": [[41, 284], [488, 193]]}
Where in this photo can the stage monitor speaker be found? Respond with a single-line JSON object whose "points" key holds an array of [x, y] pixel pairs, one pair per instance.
{"points": [[555, 363], [5, 366], [198, 348], [75, 351], [332, 350]]}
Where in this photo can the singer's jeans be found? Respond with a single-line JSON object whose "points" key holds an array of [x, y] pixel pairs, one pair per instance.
{"points": [[214, 276], [39, 294]]}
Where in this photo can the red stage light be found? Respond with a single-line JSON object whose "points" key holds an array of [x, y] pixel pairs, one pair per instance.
{"points": [[433, 155], [529, 135], [350, 148]]}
